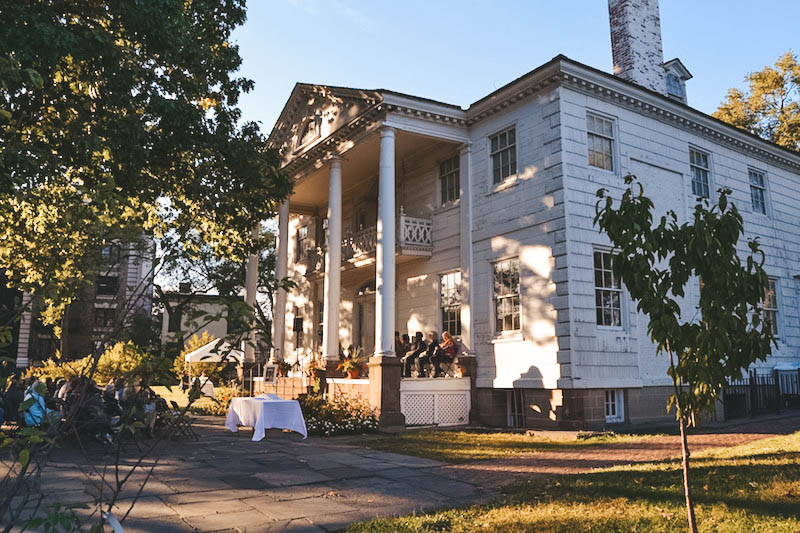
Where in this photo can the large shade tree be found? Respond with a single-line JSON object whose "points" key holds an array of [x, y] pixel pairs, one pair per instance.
{"points": [[771, 106], [656, 262], [119, 119]]}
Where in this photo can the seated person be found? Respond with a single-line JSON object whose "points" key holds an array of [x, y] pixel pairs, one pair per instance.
{"points": [[430, 354], [445, 354], [14, 397], [405, 345], [37, 413], [416, 349]]}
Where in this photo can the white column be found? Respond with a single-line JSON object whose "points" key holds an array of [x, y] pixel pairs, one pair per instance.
{"points": [[384, 253], [279, 310], [465, 241], [250, 289], [333, 263]]}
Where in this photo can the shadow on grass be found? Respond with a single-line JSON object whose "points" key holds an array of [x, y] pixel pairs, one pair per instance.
{"points": [[746, 483], [461, 446]]}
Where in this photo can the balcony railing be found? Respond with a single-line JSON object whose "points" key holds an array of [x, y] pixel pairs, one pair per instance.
{"points": [[414, 237]]}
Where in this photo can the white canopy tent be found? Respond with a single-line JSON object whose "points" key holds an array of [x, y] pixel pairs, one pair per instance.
{"points": [[213, 352]]}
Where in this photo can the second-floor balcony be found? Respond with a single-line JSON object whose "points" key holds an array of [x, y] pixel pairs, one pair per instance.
{"points": [[414, 238]]}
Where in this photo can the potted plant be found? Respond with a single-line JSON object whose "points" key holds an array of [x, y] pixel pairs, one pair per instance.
{"points": [[284, 367], [352, 363]]}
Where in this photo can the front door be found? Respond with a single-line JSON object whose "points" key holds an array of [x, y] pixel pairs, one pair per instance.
{"points": [[365, 307]]}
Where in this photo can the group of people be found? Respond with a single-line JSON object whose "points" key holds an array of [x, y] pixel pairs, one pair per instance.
{"points": [[422, 355], [94, 410]]}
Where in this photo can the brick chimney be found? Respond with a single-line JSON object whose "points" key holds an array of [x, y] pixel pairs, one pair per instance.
{"points": [[636, 43]]}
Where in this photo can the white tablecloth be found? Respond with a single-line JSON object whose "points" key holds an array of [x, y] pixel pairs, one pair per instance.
{"points": [[263, 413]]}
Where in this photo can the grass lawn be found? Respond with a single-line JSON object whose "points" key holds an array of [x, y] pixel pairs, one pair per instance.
{"points": [[462, 446], [172, 393], [753, 488]]}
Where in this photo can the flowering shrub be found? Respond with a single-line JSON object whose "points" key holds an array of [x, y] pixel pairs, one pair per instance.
{"points": [[219, 405], [339, 416]]}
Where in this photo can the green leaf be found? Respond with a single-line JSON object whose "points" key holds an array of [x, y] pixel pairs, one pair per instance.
{"points": [[24, 457]]}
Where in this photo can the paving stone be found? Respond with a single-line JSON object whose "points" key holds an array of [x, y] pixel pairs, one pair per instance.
{"points": [[211, 496], [344, 472], [293, 477], [162, 524], [146, 507], [306, 508], [203, 508], [246, 482], [282, 494], [218, 521]]}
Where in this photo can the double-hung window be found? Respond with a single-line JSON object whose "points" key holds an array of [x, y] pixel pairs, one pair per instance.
{"points": [[104, 317], [698, 162], [614, 405], [607, 291], [503, 152], [770, 306], [302, 242], [600, 137], [506, 295], [758, 191], [450, 302], [449, 181], [107, 285]]}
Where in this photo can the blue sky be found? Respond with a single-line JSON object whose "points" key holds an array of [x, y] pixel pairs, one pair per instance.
{"points": [[459, 51]]}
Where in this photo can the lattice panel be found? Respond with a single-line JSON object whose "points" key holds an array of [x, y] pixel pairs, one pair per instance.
{"points": [[417, 231], [451, 409], [418, 409]]}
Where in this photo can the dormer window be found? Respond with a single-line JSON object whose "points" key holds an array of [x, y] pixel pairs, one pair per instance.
{"points": [[676, 75], [675, 87]]}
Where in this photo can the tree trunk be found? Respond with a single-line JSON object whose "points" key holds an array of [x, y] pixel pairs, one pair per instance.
{"points": [[687, 491], [64, 340]]}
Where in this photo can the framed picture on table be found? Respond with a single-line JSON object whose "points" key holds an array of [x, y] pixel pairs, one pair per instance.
{"points": [[270, 373]]}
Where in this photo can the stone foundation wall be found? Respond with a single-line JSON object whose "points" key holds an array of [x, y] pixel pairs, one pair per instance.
{"points": [[573, 408]]}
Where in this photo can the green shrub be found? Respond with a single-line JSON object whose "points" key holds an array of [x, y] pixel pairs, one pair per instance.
{"points": [[123, 360], [338, 416], [218, 406]]}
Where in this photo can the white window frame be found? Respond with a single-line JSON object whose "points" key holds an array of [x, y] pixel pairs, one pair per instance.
{"points": [[619, 290], [774, 310], [707, 169], [611, 138], [455, 275], [440, 188], [614, 399], [506, 332], [761, 187], [512, 172]]}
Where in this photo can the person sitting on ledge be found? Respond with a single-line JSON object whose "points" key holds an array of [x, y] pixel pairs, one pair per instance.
{"points": [[417, 348], [430, 355], [445, 354]]}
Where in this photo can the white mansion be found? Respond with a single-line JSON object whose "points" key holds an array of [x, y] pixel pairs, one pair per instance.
{"points": [[410, 214]]}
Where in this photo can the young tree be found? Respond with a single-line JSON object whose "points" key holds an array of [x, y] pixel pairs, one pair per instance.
{"points": [[656, 262], [771, 109]]}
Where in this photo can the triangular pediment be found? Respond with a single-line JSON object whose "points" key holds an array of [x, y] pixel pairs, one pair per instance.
{"points": [[315, 112]]}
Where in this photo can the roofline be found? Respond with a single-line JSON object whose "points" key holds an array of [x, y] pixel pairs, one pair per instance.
{"points": [[673, 102]]}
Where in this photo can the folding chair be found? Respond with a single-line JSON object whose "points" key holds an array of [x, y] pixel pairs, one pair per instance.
{"points": [[182, 422]]}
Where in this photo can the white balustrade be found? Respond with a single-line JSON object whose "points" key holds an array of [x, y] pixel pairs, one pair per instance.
{"points": [[413, 232]]}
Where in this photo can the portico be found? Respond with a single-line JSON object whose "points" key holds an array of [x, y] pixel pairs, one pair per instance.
{"points": [[358, 234]]}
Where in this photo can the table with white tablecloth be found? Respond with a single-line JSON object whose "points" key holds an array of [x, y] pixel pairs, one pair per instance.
{"points": [[265, 413]]}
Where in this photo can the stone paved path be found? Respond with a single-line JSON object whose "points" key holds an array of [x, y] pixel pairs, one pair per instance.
{"points": [[283, 483], [226, 482]]}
